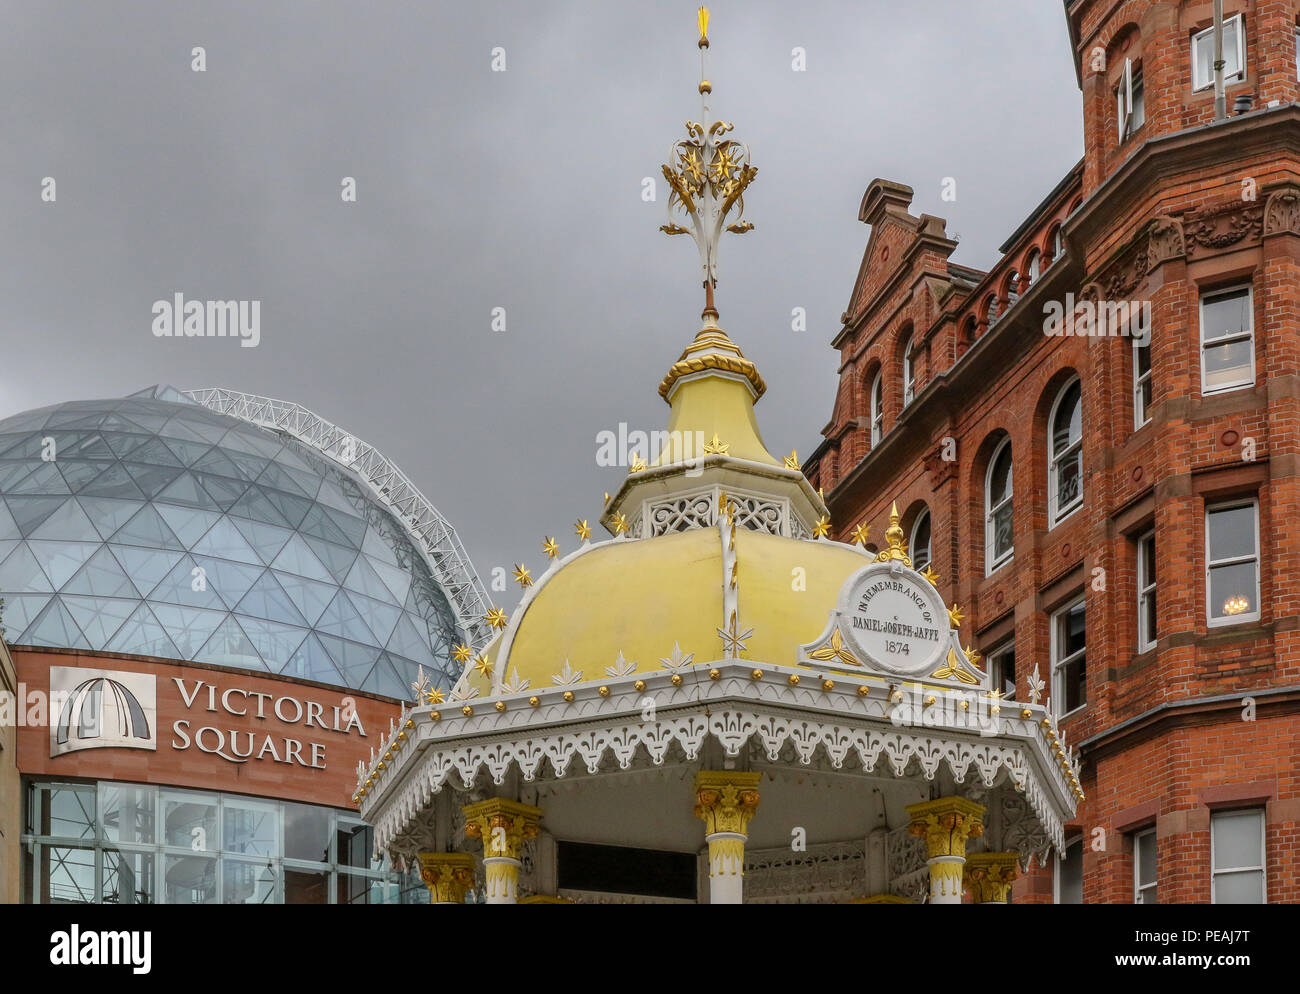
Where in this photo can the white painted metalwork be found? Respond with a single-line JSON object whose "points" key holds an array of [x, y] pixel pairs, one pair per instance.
{"points": [[435, 537]]}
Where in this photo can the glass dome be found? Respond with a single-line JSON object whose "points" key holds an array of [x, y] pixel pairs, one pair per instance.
{"points": [[152, 525]]}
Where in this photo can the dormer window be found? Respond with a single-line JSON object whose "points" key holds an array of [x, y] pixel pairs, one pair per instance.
{"points": [[1234, 53]]}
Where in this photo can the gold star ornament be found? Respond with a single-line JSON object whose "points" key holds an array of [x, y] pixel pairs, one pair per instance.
{"points": [[550, 548], [433, 697], [930, 575], [716, 446], [483, 666], [522, 576], [955, 616], [792, 460], [461, 653], [620, 523], [583, 529], [496, 618], [860, 534], [822, 528]]}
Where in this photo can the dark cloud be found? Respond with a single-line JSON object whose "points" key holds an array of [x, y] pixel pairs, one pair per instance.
{"points": [[479, 190]]}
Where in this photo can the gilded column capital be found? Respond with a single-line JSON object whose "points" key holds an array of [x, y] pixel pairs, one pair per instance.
{"points": [[502, 825], [725, 800], [989, 875], [946, 824], [448, 875]]}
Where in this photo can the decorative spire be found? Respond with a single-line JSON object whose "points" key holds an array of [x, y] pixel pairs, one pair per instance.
{"points": [[708, 176], [895, 536]]}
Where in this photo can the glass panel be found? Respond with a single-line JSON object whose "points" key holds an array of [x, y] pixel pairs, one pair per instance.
{"points": [[1003, 535], [352, 889], [266, 599], [306, 886], [128, 878], [354, 842], [248, 883], [143, 635], [127, 812], [1149, 617], [1004, 673], [67, 812], [1232, 590], [306, 832], [189, 627], [1073, 630], [188, 523], [1000, 478], [67, 875], [1239, 888], [251, 828], [1227, 364], [190, 879], [1073, 685], [62, 559], [1232, 533], [1237, 839], [99, 618], [1069, 480], [102, 576], [190, 821], [1146, 857], [21, 573], [145, 567], [1067, 427]]}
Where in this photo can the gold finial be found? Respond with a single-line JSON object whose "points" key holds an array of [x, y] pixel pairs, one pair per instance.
{"points": [[895, 536], [702, 15], [638, 465]]}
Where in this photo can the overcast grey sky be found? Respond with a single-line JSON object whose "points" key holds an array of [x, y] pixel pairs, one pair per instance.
{"points": [[479, 189]]}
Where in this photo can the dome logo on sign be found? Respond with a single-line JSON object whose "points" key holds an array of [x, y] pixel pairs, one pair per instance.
{"points": [[102, 709]]}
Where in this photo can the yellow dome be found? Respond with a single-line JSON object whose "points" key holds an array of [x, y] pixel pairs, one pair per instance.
{"points": [[641, 600]]}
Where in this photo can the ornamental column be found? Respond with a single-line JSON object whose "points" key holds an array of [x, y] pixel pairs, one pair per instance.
{"points": [[989, 875], [448, 875], [725, 800], [945, 825], [503, 826]]}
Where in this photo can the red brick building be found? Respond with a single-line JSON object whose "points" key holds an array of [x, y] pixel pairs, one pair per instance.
{"points": [[1116, 509]]}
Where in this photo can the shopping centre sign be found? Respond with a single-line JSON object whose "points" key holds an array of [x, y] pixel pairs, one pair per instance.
{"points": [[102, 709], [240, 745]]}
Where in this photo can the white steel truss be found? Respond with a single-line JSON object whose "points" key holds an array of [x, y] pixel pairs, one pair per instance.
{"points": [[434, 535]]}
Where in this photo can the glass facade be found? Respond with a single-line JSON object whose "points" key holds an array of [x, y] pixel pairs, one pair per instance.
{"points": [[151, 525], [122, 843]]}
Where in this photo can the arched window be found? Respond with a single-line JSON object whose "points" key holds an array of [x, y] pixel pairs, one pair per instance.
{"points": [[999, 536], [1065, 442], [1013, 289], [877, 408], [992, 304], [1058, 244], [909, 375], [919, 545], [1035, 267]]}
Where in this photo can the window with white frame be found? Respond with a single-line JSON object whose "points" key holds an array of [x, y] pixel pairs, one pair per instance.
{"points": [[1142, 385], [1234, 53], [1067, 879], [919, 551], [1232, 563], [1002, 668], [1035, 267], [909, 377], [1144, 867], [1237, 857], [1065, 461], [1130, 100], [1058, 244], [1069, 659], [1146, 582], [877, 408], [999, 532], [1227, 340]]}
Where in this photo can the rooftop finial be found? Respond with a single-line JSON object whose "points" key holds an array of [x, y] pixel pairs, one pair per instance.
{"points": [[708, 175]]}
